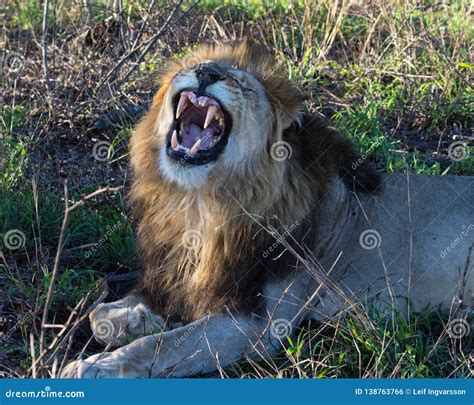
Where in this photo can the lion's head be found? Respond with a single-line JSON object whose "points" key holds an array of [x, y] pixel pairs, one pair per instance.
{"points": [[219, 110]]}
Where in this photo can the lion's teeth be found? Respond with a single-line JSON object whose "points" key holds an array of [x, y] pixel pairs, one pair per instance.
{"points": [[211, 112], [174, 140], [195, 148], [202, 101], [192, 97], [183, 101]]}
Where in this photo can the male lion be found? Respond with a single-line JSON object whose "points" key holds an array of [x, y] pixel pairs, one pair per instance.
{"points": [[255, 215]]}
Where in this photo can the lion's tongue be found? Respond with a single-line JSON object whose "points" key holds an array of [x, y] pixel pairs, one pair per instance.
{"points": [[195, 133]]}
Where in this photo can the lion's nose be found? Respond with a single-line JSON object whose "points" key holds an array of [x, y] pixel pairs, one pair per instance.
{"points": [[206, 75], [208, 72]]}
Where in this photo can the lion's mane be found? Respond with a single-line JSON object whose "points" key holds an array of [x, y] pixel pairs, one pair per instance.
{"points": [[205, 250]]}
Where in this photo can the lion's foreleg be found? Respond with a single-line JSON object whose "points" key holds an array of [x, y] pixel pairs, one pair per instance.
{"points": [[203, 346]]}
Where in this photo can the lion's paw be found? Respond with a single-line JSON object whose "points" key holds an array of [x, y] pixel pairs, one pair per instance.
{"points": [[103, 365], [118, 326]]}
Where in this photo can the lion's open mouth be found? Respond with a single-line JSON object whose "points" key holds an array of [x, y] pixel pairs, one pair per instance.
{"points": [[200, 130]]}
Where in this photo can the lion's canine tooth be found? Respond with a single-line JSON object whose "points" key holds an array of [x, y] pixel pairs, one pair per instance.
{"points": [[183, 101], [174, 140], [195, 148], [211, 111]]}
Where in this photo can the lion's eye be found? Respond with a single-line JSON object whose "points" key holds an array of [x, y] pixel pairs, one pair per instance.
{"points": [[237, 75]]}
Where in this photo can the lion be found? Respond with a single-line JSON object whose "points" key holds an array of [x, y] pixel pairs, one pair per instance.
{"points": [[255, 215]]}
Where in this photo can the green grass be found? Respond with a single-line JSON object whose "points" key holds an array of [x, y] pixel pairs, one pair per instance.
{"points": [[395, 79], [378, 346], [13, 153], [26, 14]]}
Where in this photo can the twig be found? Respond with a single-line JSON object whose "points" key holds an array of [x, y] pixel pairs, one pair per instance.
{"points": [[78, 321], [45, 49], [144, 24], [56, 343], [90, 13], [369, 36], [57, 259], [33, 357], [93, 194]]}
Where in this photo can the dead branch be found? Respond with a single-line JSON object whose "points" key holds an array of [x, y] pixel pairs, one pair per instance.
{"points": [[45, 50], [57, 260]]}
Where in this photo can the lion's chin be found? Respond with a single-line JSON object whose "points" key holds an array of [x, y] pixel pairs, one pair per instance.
{"points": [[185, 176]]}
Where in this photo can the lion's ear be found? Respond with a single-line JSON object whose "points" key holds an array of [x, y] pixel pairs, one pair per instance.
{"points": [[287, 99], [289, 116], [291, 110], [291, 105]]}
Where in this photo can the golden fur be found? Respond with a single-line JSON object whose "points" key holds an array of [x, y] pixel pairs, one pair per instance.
{"points": [[226, 267]]}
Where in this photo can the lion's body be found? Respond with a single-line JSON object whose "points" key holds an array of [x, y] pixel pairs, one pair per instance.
{"points": [[407, 255], [230, 245]]}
